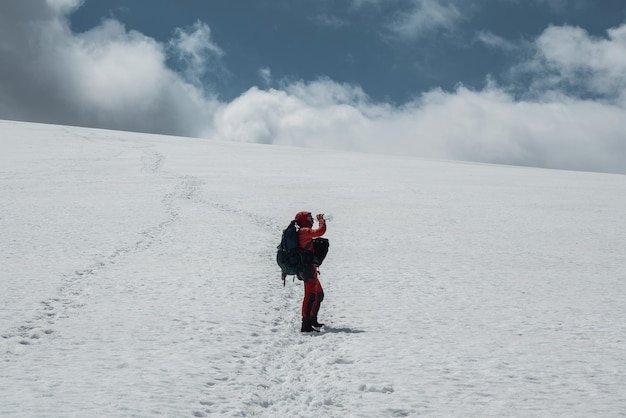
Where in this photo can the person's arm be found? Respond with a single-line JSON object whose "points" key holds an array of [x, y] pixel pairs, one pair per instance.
{"points": [[307, 234], [321, 229]]}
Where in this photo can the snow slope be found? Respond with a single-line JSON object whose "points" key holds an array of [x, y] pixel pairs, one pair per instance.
{"points": [[138, 279]]}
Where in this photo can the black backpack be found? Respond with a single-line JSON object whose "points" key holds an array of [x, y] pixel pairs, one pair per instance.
{"points": [[320, 249], [288, 256]]}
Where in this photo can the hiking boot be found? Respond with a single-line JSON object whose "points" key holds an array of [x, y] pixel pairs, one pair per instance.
{"points": [[314, 322], [307, 326]]}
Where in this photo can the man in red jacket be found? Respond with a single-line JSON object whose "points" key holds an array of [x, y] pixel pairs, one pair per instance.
{"points": [[313, 292]]}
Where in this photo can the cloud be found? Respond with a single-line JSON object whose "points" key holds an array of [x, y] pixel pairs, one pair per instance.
{"points": [[266, 76], [415, 19], [321, 113], [63, 6], [569, 59], [106, 77], [487, 126], [491, 126], [197, 53], [425, 17], [499, 43]]}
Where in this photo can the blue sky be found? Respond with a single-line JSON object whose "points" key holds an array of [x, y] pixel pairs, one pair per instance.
{"points": [[526, 82], [368, 43]]}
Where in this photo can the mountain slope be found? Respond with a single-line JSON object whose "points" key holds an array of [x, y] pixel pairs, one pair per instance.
{"points": [[138, 279]]}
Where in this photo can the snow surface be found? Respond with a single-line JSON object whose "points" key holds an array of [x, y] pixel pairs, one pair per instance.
{"points": [[138, 279]]}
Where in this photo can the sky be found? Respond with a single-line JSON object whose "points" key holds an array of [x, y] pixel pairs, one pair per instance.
{"points": [[535, 83]]}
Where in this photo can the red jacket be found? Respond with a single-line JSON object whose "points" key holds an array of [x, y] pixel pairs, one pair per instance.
{"points": [[305, 235]]}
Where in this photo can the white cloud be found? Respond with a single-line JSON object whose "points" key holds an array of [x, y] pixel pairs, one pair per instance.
{"points": [[488, 126], [491, 126], [496, 42], [321, 113], [568, 57], [64, 7], [105, 77], [425, 16], [266, 76], [197, 52]]}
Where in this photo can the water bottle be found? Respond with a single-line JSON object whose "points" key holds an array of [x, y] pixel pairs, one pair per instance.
{"points": [[327, 217]]}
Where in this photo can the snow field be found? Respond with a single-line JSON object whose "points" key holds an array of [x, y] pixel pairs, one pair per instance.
{"points": [[140, 280]]}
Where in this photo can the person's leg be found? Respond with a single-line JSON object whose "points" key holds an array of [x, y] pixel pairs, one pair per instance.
{"points": [[319, 298], [313, 296]]}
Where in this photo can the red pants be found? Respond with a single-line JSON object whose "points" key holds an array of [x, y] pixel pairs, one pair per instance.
{"points": [[313, 296]]}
